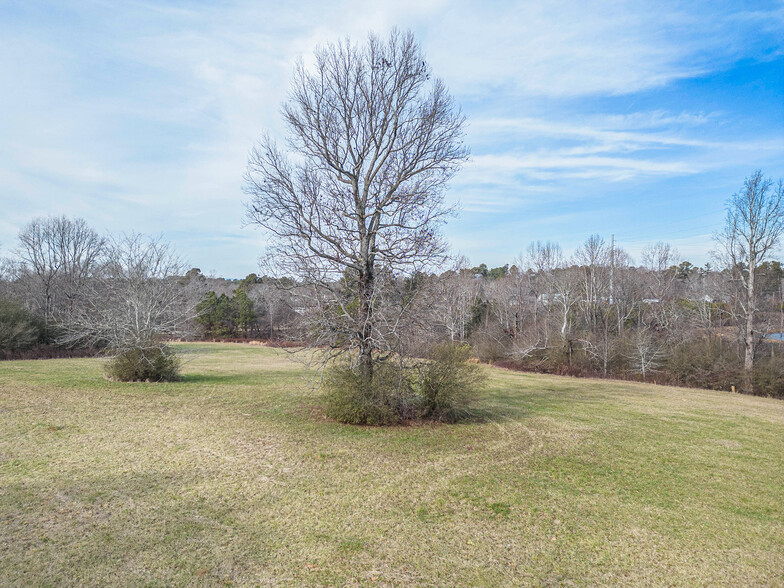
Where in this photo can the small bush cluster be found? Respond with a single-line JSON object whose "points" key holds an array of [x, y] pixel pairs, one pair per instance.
{"points": [[443, 388], [350, 400], [767, 377], [144, 364], [705, 364], [19, 330], [447, 385]]}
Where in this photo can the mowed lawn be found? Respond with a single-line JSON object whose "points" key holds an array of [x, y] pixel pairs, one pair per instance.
{"points": [[233, 477]]}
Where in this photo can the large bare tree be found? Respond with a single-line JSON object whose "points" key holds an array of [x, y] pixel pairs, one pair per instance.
{"points": [[136, 301], [753, 229], [60, 254], [358, 196]]}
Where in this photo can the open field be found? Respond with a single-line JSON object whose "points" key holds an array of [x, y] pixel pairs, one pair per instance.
{"points": [[231, 477]]}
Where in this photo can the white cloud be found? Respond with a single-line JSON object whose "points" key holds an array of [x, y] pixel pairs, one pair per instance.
{"points": [[509, 169], [575, 48], [513, 151], [140, 115]]}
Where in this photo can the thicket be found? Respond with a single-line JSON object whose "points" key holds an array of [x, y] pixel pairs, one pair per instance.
{"points": [[598, 314], [349, 399], [23, 336], [442, 388], [20, 330], [447, 386]]}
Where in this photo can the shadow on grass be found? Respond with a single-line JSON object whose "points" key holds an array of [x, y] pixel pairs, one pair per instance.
{"points": [[217, 378], [478, 416]]}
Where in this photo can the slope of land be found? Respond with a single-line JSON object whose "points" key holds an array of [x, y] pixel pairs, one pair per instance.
{"points": [[231, 477]]}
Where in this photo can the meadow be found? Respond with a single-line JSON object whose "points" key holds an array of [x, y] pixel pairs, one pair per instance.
{"points": [[233, 477]]}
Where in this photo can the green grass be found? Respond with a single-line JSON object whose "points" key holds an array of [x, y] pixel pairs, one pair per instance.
{"points": [[233, 477]]}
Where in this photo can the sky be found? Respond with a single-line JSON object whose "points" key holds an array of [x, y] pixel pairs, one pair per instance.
{"points": [[632, 119]]}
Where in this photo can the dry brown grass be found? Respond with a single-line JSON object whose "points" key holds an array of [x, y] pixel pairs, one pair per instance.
{"points": [[231, 477]]}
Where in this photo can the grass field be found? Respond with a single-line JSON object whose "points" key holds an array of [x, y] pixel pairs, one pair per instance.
{"points": [[232, 477]]}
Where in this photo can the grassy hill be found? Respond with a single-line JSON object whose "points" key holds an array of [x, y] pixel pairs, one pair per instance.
{"points": [[232, 477]]}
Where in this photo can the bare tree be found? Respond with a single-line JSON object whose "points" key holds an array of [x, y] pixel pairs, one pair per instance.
{"points": [[455, 294], [536, 293], [544, 259], [373, 140], [61, 253], [646, 353], [136, 301], [627, 289], [753, 229], [594, 256], [274, 302], [7, 271], [519, 294], [660, 260]]}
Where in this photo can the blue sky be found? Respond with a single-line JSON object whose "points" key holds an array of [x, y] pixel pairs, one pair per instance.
{"points": [[637, 119]]}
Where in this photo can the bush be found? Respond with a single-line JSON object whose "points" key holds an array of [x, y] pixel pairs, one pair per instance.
{"points": [[489, 343], [144, 364], [442, 389], [768, 377], [714, 365], [19, 330], [448, 384], [349, 400]]}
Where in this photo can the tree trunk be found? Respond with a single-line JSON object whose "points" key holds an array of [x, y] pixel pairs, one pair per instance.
{"points": [[565, 322], [365, 324], [748, 360]]}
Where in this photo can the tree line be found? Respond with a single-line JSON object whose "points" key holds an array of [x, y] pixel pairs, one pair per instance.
{"points": [[595, 312], [65, 285], [598, 313]]}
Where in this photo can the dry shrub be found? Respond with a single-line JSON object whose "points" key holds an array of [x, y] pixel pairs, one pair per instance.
{"points": [[19, 330], [490, 343], [144, 364], [443, 388], [351, 400], [768, 377], [448, 384], [714, 365]]}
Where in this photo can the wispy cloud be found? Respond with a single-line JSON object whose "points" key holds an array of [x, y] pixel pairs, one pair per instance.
{"points": [[574, 48], [141, 114]]}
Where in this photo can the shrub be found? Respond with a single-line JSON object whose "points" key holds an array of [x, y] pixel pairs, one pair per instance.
{"points": [[768, 377], [19, 330], [442, 389], [448, 384], [489, 343], [349, 399], [144, 364], [714, 365]]}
